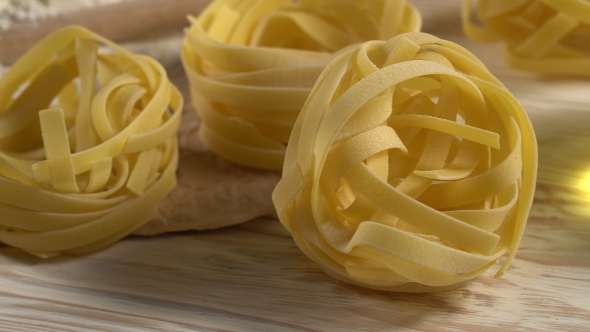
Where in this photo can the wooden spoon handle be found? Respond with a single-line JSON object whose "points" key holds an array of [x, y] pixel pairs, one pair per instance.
{"points": [[124, 21]]}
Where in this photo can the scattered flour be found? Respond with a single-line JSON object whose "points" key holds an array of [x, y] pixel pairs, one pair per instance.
{"points": [[12, 11], [30, 10], [21, 10]]}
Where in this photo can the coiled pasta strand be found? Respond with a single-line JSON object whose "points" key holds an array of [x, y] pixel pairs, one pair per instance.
{"points": [[87, 144], [251, 65], [410, 168], [545, 36]]}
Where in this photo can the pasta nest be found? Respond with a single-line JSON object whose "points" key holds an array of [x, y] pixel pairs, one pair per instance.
{"points": [[410, 168], [87, 144], [545, 36], [252, 63]]}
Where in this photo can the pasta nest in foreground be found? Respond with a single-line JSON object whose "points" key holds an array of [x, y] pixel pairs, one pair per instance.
{"points": [[410, 168], [252, 63], [545, 36], [87, 144]]}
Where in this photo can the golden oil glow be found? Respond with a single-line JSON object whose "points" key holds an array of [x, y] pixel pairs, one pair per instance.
{"points": [[585, 183]]}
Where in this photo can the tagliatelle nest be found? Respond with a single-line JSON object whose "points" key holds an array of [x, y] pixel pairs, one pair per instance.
{"points": [[87, 144], [252, 63], [410, 168], [546, 36]]}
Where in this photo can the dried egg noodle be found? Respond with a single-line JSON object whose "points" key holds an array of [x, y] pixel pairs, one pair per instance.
{"points": [[546, 36], [252, 63], [410, 168], [87, 144]]}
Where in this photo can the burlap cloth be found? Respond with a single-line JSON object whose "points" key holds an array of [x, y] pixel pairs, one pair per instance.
{"points": [[211, 192]]}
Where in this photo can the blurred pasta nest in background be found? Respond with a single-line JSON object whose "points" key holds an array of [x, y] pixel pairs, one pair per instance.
{"points": [[87, 144], [251, 65], [410, 168], [546, 36]]}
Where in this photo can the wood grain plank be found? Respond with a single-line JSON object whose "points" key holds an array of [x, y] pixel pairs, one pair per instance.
{"points": [[253, 278]]}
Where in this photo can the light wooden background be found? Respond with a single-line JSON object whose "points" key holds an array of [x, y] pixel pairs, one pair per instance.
{"points": [[252, 277]]}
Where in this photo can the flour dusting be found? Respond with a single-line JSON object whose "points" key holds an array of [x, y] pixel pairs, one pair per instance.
{"points": [[13, 11], [32, 10]]}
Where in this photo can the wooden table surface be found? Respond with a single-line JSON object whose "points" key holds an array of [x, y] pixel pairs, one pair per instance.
{"points": [[252, 277]]}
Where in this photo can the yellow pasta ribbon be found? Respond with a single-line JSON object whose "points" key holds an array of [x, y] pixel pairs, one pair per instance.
{"points": [[252, 63], [87, 144], [545, 36], [410, 168]]}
